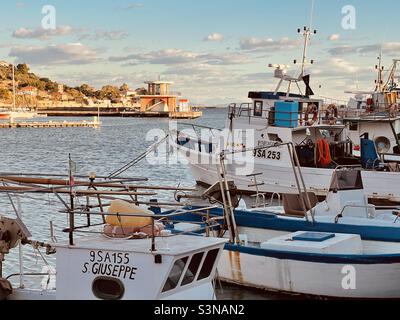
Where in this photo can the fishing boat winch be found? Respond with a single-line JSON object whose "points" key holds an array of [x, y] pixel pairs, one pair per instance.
{"points": [[12, 233]]}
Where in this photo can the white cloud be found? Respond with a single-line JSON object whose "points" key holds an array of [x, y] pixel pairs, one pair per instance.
{"points": [[268, 43], [71, 53], [176, 56], [216, 37], [388, 48], [100, 34], [334, 37], [134, 6], [342, 69], [42, 34]]}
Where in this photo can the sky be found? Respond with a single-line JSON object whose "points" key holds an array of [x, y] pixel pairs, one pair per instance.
{"points": [[213, 51]]}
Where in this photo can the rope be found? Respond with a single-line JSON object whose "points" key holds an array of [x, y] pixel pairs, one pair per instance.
{"points": [[137, 160], [325, 158]]}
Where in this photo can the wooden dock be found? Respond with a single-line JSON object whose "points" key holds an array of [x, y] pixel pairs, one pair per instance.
{"points": [[162, 114], [50, 124]]}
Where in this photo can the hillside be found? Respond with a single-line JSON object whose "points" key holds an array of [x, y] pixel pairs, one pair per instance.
{"points": [[33, 90]]}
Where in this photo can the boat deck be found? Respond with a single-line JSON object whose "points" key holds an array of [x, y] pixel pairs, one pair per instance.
{"points": [[172, 245]]}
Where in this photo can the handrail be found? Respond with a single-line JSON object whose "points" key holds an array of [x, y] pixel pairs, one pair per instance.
{"points": [[340, 215], [198, 126], [300, 182]]}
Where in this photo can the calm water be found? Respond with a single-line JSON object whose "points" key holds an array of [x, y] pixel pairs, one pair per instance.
{"points": [[118, 141]]}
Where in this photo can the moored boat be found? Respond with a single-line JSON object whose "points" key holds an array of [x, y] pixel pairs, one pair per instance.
{"points": [[342, 247]]}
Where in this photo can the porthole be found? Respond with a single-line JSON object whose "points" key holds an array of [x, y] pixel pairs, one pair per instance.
{"points": [[382, 144], [106, 288]]}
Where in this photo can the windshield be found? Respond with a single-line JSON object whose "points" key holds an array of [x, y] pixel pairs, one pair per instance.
{"points": [[346, 180]]}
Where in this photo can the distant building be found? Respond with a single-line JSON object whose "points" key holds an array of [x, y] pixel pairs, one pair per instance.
{"points": [[29, 91], [158, 97], [43, 94], [60, 88]]}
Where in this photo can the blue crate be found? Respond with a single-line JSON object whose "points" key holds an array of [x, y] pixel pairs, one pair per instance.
{"points": [[286, 114]]}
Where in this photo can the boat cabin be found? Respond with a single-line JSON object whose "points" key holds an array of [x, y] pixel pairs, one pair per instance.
{"points": [[319, 142]]}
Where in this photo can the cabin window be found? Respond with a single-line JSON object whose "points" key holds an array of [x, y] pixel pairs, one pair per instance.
{"points": [[274, 137], [105, 288], [175, 274], [192, 269], [208, 264], [353, 126], [258, 108]]}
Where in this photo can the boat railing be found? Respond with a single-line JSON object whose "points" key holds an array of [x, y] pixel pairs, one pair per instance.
{"points": [[354, 206], [209, 220], [303, 117], [198, 126], [378, 111], [324, 115], [305, 200]]}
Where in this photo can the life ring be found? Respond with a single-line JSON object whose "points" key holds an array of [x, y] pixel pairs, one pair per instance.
{"points": [[324, 153], [311, 109], [332, 114]]}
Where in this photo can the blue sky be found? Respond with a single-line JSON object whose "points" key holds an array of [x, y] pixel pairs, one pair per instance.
{"points": [[214, 51]]}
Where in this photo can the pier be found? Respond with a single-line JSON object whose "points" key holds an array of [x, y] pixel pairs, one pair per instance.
{"points": [[50, 124]]}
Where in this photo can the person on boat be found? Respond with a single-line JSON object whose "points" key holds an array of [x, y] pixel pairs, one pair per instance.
{"points": [[312, 109], [331, 114]]}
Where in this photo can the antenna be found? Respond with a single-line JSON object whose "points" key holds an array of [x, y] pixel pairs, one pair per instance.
{"points": [[312, 13], [280, 70], [307, 32], [380, 69]]}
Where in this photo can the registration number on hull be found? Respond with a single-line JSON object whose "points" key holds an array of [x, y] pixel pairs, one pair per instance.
{"points": [[267, 154]]}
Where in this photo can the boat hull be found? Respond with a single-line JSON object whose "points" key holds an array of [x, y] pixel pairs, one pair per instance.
{"points": [[379, 186], [371, 281]]}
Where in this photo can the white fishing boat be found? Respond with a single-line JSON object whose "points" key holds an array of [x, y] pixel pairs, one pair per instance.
{"points": [[323, 142], [342, 247], [124, 254]]}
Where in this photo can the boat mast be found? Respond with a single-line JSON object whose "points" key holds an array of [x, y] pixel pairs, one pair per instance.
{"points": [[380, 69], [307, 37], [280, 70]]}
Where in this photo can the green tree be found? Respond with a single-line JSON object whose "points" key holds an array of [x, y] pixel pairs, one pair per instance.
{"points": [[5, 94], [124, 88], [109, 92], [87, 90], [52, 87], [23, 68]]}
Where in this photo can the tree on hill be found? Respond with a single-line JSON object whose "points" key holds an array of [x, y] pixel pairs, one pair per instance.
{"points": [[23, 68], [141, 91], [87, 90], [109, 92], [124, 88], [5, 94], [52, 87]]}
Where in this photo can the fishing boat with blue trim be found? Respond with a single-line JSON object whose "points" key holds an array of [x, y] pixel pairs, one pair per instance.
{"points": [[343, 247], [325, 137]]}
